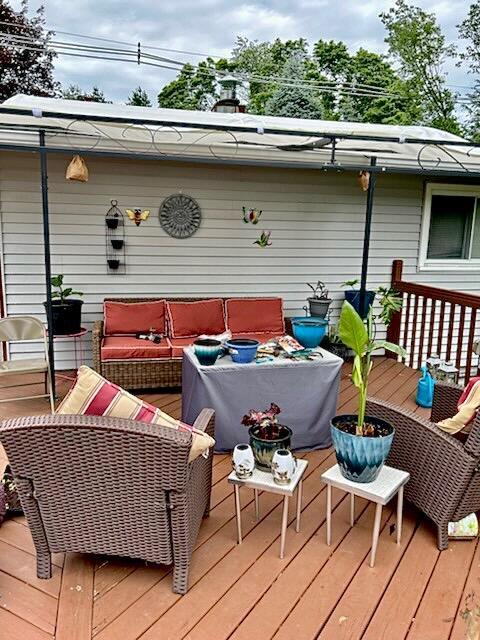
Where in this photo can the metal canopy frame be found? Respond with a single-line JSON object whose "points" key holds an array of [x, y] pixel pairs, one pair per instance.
{"points": [[371, 165]]}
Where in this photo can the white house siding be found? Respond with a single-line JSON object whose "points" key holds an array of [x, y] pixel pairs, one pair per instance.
{"points": [[316, 219]]}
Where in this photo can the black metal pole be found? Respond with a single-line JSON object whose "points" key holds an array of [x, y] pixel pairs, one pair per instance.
{"points": [[366, 239], [46, 249]]}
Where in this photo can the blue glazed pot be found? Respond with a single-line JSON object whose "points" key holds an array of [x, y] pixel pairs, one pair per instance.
{"points": [[207, 351], [242, 350], [263, 449], [353, 297], [360, 458], [309, 331]]}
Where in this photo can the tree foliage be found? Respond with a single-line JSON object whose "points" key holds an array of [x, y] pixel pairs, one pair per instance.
{"points": [[417, 44], [25, 70], [74, 92], [139, 98], [469, 30], [194, 88]]}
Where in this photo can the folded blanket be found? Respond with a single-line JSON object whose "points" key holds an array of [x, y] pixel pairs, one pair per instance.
{"points": [[468, 405]]}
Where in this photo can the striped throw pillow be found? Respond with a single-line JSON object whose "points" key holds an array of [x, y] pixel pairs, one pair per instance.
{"points": [[93, 395]]}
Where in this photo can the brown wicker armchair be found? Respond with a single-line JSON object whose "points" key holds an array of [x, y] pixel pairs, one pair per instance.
{"points": [[110, 486], [444, 479]]}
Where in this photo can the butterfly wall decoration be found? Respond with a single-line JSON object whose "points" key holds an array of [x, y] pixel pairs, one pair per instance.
{"points": [[137, 215]]}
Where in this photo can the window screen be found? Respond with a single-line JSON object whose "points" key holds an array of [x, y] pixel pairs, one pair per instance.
{"points": [[450, 227]]}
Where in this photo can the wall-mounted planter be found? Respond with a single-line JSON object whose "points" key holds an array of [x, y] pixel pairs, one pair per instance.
{"points": [[117, 243], [112, 223], [113, 264]]}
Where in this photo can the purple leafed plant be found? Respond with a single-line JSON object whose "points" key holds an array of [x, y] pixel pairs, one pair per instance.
{"points": [[267, 422]]}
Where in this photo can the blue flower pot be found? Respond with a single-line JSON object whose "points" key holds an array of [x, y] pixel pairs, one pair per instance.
{"points": [[207, 351], [309, 331], [360, 458], [242, 350], [353, 297]]}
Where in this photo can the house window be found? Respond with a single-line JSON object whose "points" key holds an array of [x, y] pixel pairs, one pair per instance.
{"points": [[451, 227]]}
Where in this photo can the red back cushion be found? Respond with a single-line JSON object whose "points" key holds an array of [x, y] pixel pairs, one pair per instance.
{"points": [[133, 317], [190, 319], [255, 315]]}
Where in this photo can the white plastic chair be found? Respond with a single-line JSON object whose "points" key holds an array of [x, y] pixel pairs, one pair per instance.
{"points": [[26, 329]]}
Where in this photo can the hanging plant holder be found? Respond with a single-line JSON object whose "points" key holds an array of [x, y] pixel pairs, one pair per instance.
{"points": [[115, 239]]}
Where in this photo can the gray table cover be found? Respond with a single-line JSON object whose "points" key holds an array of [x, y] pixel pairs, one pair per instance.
{"points": [[306, 392]]}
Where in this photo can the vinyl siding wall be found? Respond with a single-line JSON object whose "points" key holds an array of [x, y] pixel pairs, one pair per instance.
{"points": [[316, 219]]}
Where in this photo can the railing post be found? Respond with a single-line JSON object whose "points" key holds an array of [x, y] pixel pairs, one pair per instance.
{"points": [[393, 330]]}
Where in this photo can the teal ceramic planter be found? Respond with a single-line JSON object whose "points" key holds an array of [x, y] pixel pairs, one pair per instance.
{"points": [[309, 331], [263, 450], [360, 458]]}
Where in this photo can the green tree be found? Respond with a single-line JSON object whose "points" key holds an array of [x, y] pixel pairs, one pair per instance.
{"points": [[74, 92], [469, 30], [289, 99], [417, 44], [139, 98], [25, 70], [194, 88]]}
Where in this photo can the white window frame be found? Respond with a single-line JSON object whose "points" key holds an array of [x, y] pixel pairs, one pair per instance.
{"points": [[427, 264]]}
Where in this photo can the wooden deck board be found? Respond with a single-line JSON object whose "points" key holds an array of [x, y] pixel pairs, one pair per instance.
{"points": [[243, 592]]}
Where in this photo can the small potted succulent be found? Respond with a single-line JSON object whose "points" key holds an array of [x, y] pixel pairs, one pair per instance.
{"points": [[352, 296], [66, 311], [362, 443], [266, 435], [320, 301]]}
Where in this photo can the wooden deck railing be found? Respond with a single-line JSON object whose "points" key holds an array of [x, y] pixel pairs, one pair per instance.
{"points": [[434, 320]]}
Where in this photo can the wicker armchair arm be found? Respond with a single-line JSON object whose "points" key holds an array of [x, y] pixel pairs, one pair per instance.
{"points": [[205, 421], [97, 337], [445, 400]]}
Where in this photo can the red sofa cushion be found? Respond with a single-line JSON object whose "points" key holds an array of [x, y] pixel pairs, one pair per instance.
{"points": [[178, 345], [133, 317], [191, 319], [255, 315], [131, 348], [261, 337]]}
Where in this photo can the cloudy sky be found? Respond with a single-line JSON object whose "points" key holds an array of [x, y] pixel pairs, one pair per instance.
{"points": [[211, 26]]}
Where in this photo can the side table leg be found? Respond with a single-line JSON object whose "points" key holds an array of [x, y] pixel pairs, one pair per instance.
{"points": [[284, 526], [257, 504], [376, 533], [329, 514], [299, 505], [399, 514], [352, 509], [238, 513]]}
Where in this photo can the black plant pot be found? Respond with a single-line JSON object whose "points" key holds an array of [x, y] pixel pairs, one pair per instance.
{"points": [[66, 316], [113, 264], [353, 297], [112, 223], [116, 244]]}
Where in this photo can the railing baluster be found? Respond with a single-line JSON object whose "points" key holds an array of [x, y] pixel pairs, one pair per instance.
{"points": [[451, 323], [440, 328], [422, 332], [414, 330], [432, 327], [407, 320], [471, 338], [461, 326]]}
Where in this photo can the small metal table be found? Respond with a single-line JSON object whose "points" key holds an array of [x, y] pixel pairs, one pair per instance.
{"points": [[390, 481], [78, 350], [263, 481]]}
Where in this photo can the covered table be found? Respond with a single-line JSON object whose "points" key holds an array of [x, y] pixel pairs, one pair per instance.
{"points": [[305, 391]]}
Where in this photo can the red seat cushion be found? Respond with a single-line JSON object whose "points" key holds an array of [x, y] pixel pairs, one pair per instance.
{"points": [[255, 315], [133, 317], [261, 337], [191, 319], [131, 348], [179, 344]]}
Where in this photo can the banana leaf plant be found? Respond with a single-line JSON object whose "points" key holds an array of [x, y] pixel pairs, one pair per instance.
{"points": [[360, 336]]}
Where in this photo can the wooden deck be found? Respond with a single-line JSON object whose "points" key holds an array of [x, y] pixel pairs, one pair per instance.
{"points": [[246, 592]]}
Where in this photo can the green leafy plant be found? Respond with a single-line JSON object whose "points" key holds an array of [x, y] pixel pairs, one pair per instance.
{"points": [[59, 292], [350, 283], [359, 336], [320, 291]]}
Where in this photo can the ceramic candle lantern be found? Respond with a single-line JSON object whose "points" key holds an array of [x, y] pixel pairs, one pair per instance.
{"points": [[243, 461], [283, 466]]}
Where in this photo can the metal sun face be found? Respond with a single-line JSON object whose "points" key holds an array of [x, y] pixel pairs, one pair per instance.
{"points": [[180, 216]]}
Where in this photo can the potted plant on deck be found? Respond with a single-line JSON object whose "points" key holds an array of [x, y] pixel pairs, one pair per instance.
{"points": [[66, 311], [352, 296], [362, 442], [266, 435], [320, 301]]}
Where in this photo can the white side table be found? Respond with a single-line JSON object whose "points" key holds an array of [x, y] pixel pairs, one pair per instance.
{"points": [[263, 481], [390, 481]]}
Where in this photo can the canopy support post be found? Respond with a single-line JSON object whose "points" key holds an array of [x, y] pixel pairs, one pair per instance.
{"points": [[366, 239], [46, 249]]}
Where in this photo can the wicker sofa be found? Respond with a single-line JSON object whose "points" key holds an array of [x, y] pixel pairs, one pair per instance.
{"points": [[263, 320], [110, 486], [444, 480]]}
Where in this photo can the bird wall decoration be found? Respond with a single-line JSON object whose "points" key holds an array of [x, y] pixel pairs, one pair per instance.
{"points": [[137, 215]]}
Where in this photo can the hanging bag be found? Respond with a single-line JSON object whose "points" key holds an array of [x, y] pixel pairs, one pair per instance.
{"points": [[77, 170], [425, 388]]}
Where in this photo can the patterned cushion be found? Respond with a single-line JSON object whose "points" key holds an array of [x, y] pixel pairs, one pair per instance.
{"points": [[190, 319], [93, 395]]}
